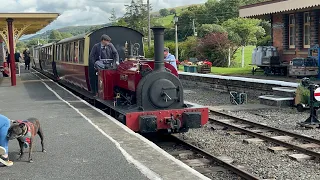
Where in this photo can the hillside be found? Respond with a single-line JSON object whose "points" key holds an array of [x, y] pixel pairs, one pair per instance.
{"points": [[74, 30], [167, 20]]}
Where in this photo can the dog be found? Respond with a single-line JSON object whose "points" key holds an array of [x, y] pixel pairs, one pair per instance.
{"points": [[24, 132]]}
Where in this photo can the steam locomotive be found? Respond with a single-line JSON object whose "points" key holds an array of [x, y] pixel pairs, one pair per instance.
{"points": [[145, 95]]}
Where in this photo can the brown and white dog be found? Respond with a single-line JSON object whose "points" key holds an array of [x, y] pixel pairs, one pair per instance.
{"points": [[24, 132]]}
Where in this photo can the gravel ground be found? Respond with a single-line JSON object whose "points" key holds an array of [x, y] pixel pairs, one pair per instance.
{"points": [[254, 157], [208, 97]]}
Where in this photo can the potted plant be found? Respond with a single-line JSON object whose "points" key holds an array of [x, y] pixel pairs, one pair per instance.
{"points": [[204, 67]]}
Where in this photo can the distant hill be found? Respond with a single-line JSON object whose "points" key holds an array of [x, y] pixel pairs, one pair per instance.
{"points": [[167, 20], [74, 30]]}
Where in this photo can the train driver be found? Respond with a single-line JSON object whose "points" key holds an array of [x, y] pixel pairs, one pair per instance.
{"points": [[104, 50], [168, 57]]}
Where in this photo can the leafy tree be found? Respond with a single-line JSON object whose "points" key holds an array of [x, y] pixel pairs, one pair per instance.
{"points": [[136, 16], [210, 28], [34, 42], [113, 17], [121, 22], [187, 48], [54, 36], [247, 30], [173, 11], [65, 35], [214, 47], [164, 12], [20, 46]]}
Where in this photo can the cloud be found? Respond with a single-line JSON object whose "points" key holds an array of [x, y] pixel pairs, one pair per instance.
{"points": [[82, 12]]}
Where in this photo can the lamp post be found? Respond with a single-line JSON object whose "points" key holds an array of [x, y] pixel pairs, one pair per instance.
{"points": [[175, 20]]}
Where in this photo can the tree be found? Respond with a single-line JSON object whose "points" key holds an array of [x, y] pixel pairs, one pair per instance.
{"points": [[136, 16], [187, 49], [164, 12], [214, 47], [20, 46], [210, 28], [113, 17], [65, 35], [173, 11], [34, 42], [248, 30], [54, 36], [121, 22]]}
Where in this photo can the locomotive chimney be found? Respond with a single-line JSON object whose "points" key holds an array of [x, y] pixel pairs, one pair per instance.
{"points": [[158, 48]]}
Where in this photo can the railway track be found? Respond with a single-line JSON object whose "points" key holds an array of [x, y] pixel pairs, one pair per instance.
{"points": [[197, 158], [191, 155], [307, 147]]}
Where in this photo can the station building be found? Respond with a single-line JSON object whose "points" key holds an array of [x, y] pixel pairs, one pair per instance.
{"points": [[295, 24]]}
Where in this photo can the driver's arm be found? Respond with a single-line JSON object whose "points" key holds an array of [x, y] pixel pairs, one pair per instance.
{"points": [[115, 53]]}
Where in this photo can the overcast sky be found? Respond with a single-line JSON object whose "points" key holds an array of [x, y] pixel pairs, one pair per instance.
{"points": [[82, 12]]}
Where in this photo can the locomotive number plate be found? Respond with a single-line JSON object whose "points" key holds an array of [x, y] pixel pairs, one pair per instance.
{"points": [[123, 77]]}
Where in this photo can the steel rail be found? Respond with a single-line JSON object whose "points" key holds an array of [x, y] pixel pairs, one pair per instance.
{"points": [[232, 168], [267, 138], [299, 136]]}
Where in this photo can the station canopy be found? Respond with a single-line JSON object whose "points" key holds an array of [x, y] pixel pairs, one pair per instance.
{"points": [[24, 24]]}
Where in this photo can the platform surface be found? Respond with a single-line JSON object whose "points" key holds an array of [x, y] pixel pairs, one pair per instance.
{"points": [[81, 143]]}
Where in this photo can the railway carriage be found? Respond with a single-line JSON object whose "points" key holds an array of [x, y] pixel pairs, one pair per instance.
{"points": [[46, 55], [145, 95]]}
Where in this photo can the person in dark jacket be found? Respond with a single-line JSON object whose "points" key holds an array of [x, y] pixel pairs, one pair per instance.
{"points": [[27, 59], [17, 56], [102, 50]]}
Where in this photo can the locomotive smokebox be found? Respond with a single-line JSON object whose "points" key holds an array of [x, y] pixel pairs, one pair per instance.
{"points": [[158, 48]]}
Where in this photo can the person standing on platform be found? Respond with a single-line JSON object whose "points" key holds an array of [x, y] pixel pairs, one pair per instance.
{"points": [[26, 54], [168, 57]]}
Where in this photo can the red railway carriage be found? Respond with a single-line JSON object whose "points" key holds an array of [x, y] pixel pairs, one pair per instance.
{"points": [[145, 95]]}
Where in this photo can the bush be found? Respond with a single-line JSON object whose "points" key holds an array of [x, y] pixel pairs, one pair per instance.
{"points": [[265, 41], [215, 47]]}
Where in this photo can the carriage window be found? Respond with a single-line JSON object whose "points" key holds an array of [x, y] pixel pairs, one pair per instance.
{"points": [[76, 52], [57, 54], [61, 51], [71, 51], [81, 49], [67, 52]]}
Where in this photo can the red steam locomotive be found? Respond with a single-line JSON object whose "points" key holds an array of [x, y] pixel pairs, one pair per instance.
{"points": [[145, 95]]}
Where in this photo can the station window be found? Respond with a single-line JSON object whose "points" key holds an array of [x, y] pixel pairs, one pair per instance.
{"points": [[306, 30], [292, 31]]}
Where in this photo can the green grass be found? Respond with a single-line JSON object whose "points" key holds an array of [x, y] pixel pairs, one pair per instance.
{"points": [[237, 70], [247, 56]]}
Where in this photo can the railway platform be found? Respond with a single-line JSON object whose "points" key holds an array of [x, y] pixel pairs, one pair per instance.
{"points": [[81, 141]]}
